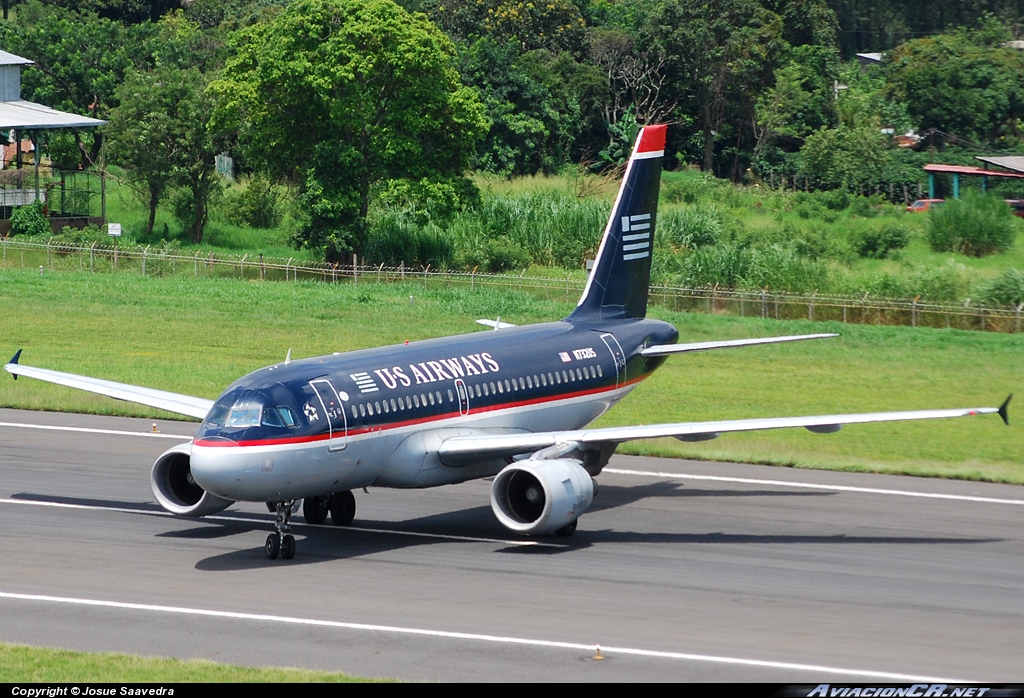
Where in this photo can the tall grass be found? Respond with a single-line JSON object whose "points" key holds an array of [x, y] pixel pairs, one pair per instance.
{"points": [[976, 225]]}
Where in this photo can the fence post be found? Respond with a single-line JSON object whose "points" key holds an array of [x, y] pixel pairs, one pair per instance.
{"points": [[1016, 324], [401, 269], [472, 278], [144, 253], [286, 266], [810, 306], [48, 241], [764, 303], [425, 270], [241, 266], [355, 269], [379, 270], [913, 310]]}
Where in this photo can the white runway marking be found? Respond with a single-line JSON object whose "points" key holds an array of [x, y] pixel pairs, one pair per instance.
{"points": [[114, 432], [610, 650], [268, 522], [812, 486]]}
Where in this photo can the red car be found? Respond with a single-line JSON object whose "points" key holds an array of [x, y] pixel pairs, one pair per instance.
{"points": [[924, 204]]}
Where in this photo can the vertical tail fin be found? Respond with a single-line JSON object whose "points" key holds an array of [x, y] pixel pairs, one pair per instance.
{"points": [[617, 287]]}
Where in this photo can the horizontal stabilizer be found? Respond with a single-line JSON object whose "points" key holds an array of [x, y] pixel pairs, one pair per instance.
{"points": [[172, 402], [465, 448], [667, 349], [496, 324]]}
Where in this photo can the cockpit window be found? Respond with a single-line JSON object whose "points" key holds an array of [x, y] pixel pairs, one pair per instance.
{"points": [[248, 408], [287, 416], [244, 414]]}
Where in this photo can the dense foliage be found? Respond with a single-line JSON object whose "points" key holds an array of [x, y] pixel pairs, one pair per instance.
{"points": [[340, 95], [354, 125]]}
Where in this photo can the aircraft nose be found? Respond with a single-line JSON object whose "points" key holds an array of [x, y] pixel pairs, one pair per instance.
{"points": [[218, 470]]}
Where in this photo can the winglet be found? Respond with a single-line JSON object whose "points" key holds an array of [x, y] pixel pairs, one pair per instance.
{"points": [[14, 360], [1003, 409]]}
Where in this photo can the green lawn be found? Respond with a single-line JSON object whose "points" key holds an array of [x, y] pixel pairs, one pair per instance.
{"points": [[20, 663], [197, 335]]}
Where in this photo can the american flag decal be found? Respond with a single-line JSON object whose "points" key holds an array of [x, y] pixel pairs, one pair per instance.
{"points": [[636, 236], [364, 382]]}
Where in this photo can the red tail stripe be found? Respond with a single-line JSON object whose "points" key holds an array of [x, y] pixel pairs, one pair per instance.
{"points": [[653, 139]]}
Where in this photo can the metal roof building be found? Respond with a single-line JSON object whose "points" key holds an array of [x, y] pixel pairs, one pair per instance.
{"points": [[20, 116], [18, 113]]}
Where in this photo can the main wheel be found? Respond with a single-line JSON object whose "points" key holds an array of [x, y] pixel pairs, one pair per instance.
{"points": [[273, 546], [343, 508], [568, 529], [314, 509], [288, 547]]}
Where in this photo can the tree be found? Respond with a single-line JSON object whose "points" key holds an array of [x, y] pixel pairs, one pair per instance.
{"points": [[339, 95], [720, 55], [801, 101], [159, 134], [852, 157], [537, 103], [964, 82], [80, 59]]}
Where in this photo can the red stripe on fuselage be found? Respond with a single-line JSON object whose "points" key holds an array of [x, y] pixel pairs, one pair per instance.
{"points": [[411, 422]]}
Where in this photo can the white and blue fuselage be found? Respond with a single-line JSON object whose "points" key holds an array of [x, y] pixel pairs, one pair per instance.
{"points": [[375, 417]]}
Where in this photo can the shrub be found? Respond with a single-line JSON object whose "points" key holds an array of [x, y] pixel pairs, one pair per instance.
{"points": [[1005, 289], [879, 243], [29, 220], [976, 225], [258, 205], [394, 239]]}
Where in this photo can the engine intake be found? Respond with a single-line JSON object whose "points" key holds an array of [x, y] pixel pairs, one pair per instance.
{"points": [[541, 496], [177, 492]]}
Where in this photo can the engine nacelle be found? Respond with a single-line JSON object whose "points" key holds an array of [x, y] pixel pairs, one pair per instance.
{"points": [[175, 489], [541, 496]]}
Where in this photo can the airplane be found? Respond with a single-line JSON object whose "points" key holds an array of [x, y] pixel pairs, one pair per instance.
{"points": [[511, 403]]}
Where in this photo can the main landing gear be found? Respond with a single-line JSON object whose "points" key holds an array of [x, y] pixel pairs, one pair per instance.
{"points": [[340, 505], [281, 542]]}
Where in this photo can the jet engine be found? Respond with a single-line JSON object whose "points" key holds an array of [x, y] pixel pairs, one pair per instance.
{"points": [[541, 496], [175, 489]]}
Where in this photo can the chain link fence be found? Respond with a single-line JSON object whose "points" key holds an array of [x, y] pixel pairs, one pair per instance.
{"points": [[165, 261]]}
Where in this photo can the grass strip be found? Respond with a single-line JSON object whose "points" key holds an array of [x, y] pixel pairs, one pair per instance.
{"points": [[22, 664]]}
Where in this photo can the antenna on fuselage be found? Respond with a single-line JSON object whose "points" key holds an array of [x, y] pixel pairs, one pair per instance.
{"points": [[288, 357]]}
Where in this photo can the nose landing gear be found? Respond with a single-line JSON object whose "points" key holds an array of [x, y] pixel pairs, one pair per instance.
{"points": [[281, 542]]}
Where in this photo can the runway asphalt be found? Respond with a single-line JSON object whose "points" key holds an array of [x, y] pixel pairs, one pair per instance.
{"points": [[682, 571]]}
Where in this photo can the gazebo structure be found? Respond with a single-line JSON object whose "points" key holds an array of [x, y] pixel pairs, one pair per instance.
{"points": [[69, 198], [957, 170]]}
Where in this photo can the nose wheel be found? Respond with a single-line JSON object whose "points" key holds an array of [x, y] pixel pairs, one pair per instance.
{"points": [[281, 542]]}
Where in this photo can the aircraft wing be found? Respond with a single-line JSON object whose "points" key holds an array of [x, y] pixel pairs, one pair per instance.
{"points": [[459, 450], [666, 349], [172, 402]]}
